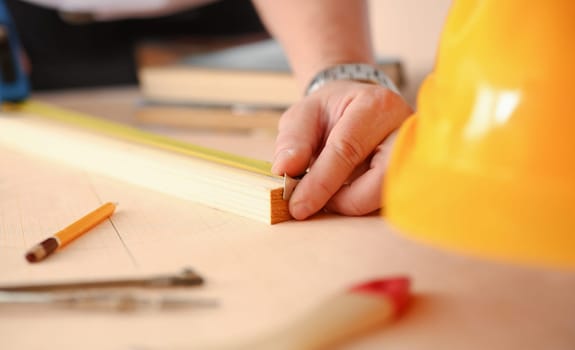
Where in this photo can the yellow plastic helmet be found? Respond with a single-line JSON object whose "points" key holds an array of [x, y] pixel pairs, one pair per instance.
{"points": [[486, 165]]}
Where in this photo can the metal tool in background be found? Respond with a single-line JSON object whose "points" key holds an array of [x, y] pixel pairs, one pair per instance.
{"points": [[130, 294], [106, 300], [186, 278]]}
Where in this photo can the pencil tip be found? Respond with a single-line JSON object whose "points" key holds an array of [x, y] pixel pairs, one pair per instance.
{"points": [[42, 250], [31, 257]]}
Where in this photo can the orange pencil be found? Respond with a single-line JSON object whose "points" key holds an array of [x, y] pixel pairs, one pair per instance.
{"points": [[60, 239]]}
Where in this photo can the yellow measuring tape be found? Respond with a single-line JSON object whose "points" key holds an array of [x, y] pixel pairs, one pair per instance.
{"points": [[133, 134]]}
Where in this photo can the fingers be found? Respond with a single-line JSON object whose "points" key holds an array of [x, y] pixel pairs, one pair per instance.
{"points": [[363, 195], [299, 136], [365, 122]]}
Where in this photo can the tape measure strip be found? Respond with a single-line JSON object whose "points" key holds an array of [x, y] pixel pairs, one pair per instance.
{"points": [[133, 134]]}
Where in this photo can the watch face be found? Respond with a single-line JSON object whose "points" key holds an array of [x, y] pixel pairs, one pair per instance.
{"points": [[351, 71]]}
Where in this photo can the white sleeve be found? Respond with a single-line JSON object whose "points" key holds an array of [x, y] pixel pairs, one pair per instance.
{"points": [[116, 9]]}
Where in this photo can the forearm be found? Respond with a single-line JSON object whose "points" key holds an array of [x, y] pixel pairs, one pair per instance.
{"points": [[317, 34]]}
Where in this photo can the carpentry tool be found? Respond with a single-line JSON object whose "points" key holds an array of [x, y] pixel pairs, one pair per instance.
{"points": [[102, 301], [185, 278]]}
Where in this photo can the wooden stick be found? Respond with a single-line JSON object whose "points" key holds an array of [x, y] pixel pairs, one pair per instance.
{"points": [[246, 188]]}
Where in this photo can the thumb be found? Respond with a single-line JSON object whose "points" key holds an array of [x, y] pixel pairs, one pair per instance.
{"points": [[299, 135]]}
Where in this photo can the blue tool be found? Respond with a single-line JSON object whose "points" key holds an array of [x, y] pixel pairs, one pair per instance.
{"points": [[14, 84]]}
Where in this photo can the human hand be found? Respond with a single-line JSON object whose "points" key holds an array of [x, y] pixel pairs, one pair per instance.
{"points": [[338, 132]]}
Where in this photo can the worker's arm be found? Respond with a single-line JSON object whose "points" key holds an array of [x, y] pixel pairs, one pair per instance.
{"points": [[338, 128], [318, 33]]}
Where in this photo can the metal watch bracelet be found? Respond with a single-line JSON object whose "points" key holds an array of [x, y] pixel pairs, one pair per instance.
{"points": [[351, 71]]}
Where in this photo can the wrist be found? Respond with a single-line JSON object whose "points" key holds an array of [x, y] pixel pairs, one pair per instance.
{"points": [[361, 72]]}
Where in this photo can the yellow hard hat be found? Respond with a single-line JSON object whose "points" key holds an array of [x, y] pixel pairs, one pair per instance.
{"points": [[487, 163]]}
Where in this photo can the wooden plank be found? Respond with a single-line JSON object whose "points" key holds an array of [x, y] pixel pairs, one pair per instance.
{"points": [[217, 179], [208, 118]]}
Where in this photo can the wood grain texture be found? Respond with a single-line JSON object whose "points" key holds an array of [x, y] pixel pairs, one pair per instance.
{"points": [[207, 118], [240, 191]]}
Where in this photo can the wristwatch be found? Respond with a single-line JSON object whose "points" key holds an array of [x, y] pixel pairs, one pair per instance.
{"points": [[351, 71]]}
